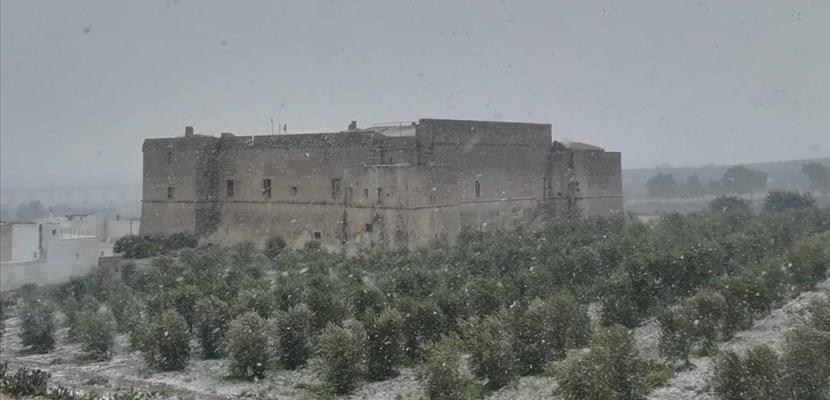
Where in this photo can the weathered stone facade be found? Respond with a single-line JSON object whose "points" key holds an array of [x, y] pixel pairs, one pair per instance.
{"points": [[366, 188]]}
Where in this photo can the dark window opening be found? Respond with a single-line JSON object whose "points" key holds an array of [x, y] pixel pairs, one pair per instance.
{"points": [[266, 188], [368, 228], [432, 198], [365, 193], [293, 190], [335, 188], [169, 157], [380, 195], [318, 235], [54, 232], [169, 193], [230, 187], [478, 189]]}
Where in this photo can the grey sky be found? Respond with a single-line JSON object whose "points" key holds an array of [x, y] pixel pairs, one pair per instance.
{"points": [[685, 83]]}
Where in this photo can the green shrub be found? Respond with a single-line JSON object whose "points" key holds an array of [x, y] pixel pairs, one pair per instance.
{"points": [[782, 200], [677, 334], [424, 322], [384, 350], [490, 343], [294, 334], [256, 300], [274, 246], [545, 330], [610, 370], [97, 330], [342, 363], [182, 299], [756, 376], [806, 362], [707, 309], [810, 260], [246, 345], [442, 371], [730, 204], [212, 318], [180, 240], [37, 326], [24, 383], [72, 309], [167, 342]]}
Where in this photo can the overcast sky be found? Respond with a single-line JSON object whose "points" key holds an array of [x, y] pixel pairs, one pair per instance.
{"points": [[677, 82]]}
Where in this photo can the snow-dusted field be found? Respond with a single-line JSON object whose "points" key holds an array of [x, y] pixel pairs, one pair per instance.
{"points": [[206, 379], [694, 384]]}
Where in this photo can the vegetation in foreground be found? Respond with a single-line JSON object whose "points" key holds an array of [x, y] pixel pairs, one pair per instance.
{"points": [[472, 317]]}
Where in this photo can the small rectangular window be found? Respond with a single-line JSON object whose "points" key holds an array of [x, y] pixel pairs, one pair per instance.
{"points": [[368, 228], [335, 188], [365, 193], [294, 191], [230, 187], [266, 188], [478, 189], [169, 157], [380, 195], [318, 235], [432, 198], [169, 193]]}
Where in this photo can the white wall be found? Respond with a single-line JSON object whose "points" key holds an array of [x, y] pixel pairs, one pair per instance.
{"points": [[24, 242], [118, 228], [65, 257]]}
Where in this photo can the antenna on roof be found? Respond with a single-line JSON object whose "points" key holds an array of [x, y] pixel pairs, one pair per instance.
{"points": [[272, 126]]}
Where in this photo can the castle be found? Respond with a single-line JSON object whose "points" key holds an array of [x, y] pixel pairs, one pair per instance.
{"points": [[389, 187]]}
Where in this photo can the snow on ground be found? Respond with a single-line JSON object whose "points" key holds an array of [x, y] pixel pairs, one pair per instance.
{"points": [[694, 384], [206, 379], [527, 388], [203, 379]]}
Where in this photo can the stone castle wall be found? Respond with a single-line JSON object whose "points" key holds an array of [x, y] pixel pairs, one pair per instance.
{"points": [[360, 189]]}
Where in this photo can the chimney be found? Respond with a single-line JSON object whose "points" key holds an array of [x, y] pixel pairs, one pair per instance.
{"points": [[353, 126], [188, 131]]}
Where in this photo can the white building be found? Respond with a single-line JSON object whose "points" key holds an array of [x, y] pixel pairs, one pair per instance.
{"points": [[51, 250]]}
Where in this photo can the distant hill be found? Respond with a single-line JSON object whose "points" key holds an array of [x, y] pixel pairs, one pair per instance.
{"points": [[781, 175]]}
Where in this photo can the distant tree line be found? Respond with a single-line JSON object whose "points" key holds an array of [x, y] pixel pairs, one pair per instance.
{"points": [[737, 180]]}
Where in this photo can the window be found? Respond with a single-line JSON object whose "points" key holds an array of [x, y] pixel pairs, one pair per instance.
{"points": [[54, 232], [545, 188], [349, 193], [318, 235], [380, 195], [478, 189], [335, 188], [294, 191], [102, 254], [365, 193], [230, 188], [266, 188], [169, 157], [368, 228], [432, 198], [169, 193]]}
